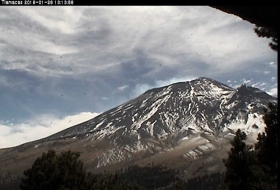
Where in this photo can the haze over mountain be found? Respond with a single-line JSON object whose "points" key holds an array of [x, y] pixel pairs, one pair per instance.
{"points": [[186, 126]]}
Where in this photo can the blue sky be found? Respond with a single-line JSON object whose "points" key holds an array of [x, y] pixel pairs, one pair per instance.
{"points": [[63, 65]]}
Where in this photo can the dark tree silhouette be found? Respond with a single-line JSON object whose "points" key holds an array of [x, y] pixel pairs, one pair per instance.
{"points": [[66, 172], [236, 175], [267, 145], [52, 171], [264, 32]]}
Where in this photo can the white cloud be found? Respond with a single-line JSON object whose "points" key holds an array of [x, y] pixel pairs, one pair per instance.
{"points": [[272, 65], [121, 88], [259, 84], [273, 92], [266, 72], [141, 88], [246, 81], [168, 34], [60, 19], [273, 78], [37, 128], [36, 42], [34, 45], [228, 81], [160, 83]]}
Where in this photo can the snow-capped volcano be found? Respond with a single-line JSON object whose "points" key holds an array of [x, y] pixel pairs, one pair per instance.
{"points": [[203, 105], [161, 118], [191, 120]]}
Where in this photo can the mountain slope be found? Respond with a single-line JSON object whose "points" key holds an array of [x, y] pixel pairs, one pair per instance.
{"points": [[186, 125], [161, 118], [201, 105]]}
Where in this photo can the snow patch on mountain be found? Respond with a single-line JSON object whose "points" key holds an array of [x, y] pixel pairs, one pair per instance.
{"points": [[252, 127], [172, 116], [119, 154]]}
